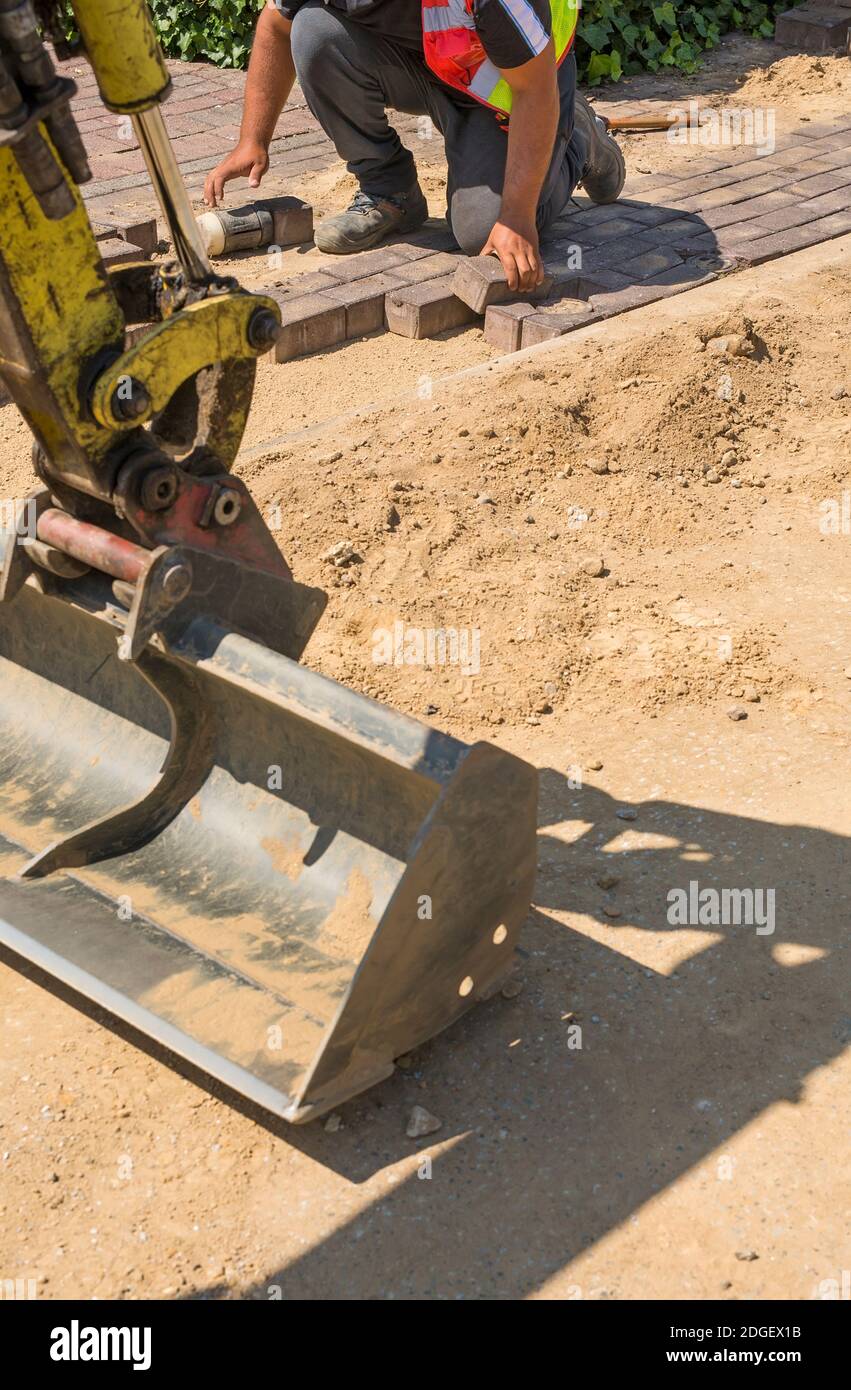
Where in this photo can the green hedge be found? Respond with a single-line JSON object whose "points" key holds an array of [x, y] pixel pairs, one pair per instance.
{"points": [[615, 36]]}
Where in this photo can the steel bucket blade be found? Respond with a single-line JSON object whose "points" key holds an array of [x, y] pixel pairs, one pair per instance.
{"points": [[331, 883]]}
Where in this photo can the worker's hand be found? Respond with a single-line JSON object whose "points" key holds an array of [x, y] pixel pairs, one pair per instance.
{"points": [[248, 158], [519, 253]]}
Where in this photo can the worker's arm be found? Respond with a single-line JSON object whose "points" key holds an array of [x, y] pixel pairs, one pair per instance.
{"points": [[271, 74], [531, 138]]}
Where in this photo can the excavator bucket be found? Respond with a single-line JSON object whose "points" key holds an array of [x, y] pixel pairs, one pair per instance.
{"points": [[280, 880]]}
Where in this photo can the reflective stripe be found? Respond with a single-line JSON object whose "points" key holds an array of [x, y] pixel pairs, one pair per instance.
{"points": [[527, 23], [438, 19], [484, 81]]}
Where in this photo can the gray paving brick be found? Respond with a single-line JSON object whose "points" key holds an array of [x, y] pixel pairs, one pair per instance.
{"points": [[365, 263], [309, 324], [821, 183], [504, 325], [363, 301], [554, 323], [651, 263], [422, 311], [427, 267]]}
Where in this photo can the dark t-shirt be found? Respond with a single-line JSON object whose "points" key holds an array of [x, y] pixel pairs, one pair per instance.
{"points": [[512, 31]]}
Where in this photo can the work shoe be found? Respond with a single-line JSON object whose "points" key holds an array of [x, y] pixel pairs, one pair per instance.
{"points": [[604, 174], [368, 219]]}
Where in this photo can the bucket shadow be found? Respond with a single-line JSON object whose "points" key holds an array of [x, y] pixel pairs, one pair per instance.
{"points": [[560, 1144]]}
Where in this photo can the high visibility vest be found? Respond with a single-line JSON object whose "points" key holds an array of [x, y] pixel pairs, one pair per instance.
{"points": [[455, 53]]}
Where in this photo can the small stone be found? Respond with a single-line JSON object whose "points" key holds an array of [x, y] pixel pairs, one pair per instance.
{"points": [[543, 707], [711, 476], [839, 394], [626, 813], [340, 553], [484, 499], [599, 466], [431, 709], [610, 910], [421, 1122], [405, 1062], [751, 694], [731, 345], [596, 765], [736, 712], [333, 1123], [512, 987], [729, 459], [391, 519], [607, 881], [747, 1255], [592, 566]]}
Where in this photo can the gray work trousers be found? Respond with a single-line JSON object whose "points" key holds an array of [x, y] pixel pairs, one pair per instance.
{"points": [[350, 75]]}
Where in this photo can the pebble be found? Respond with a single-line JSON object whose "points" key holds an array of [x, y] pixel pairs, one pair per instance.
{"points": [[626, 813], [731, 345], [729, 459], [599, 466], [611, 911], [543, 707], [592, 566], [711, 476], [736, 712], [839, 394], [747, 1255], [485, 499], [421, 1122], [340, 553], [512, 988], [751, 694], [596, 765], [333, 1123], [606, 881]]}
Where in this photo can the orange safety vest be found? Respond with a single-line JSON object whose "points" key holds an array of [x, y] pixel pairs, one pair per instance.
{"points": [[455, 53]]}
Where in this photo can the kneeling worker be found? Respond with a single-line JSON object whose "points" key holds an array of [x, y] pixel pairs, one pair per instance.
{"points": [[497, 78]]}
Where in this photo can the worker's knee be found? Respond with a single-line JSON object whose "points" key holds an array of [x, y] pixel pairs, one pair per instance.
{"points": [[316, 37], [472, 214]]}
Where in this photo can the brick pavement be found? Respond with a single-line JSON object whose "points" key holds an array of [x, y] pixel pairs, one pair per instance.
{"points": [[726, 209]]}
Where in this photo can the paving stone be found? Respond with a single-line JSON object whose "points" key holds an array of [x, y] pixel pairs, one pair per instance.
{"points": [[750, 207], [363, 301], [651, 263], [735, 193], [504, 325], [481, 281], [116, 251], [421, 311], [426, 267], [297, 286], [795, 239], [309, 324], [811, 30], [821, 183], [541, 327], [363, 263], [647, 214], [292, 220], [138, 230]]}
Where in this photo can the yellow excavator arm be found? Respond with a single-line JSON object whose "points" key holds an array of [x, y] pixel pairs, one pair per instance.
{"points": [[280, 880]]}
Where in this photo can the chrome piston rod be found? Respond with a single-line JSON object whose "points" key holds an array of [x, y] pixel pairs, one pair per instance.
{"points": [[170, 189]]}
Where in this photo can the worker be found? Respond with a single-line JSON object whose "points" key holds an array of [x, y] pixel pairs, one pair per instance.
{"points": [[496, 77]]}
